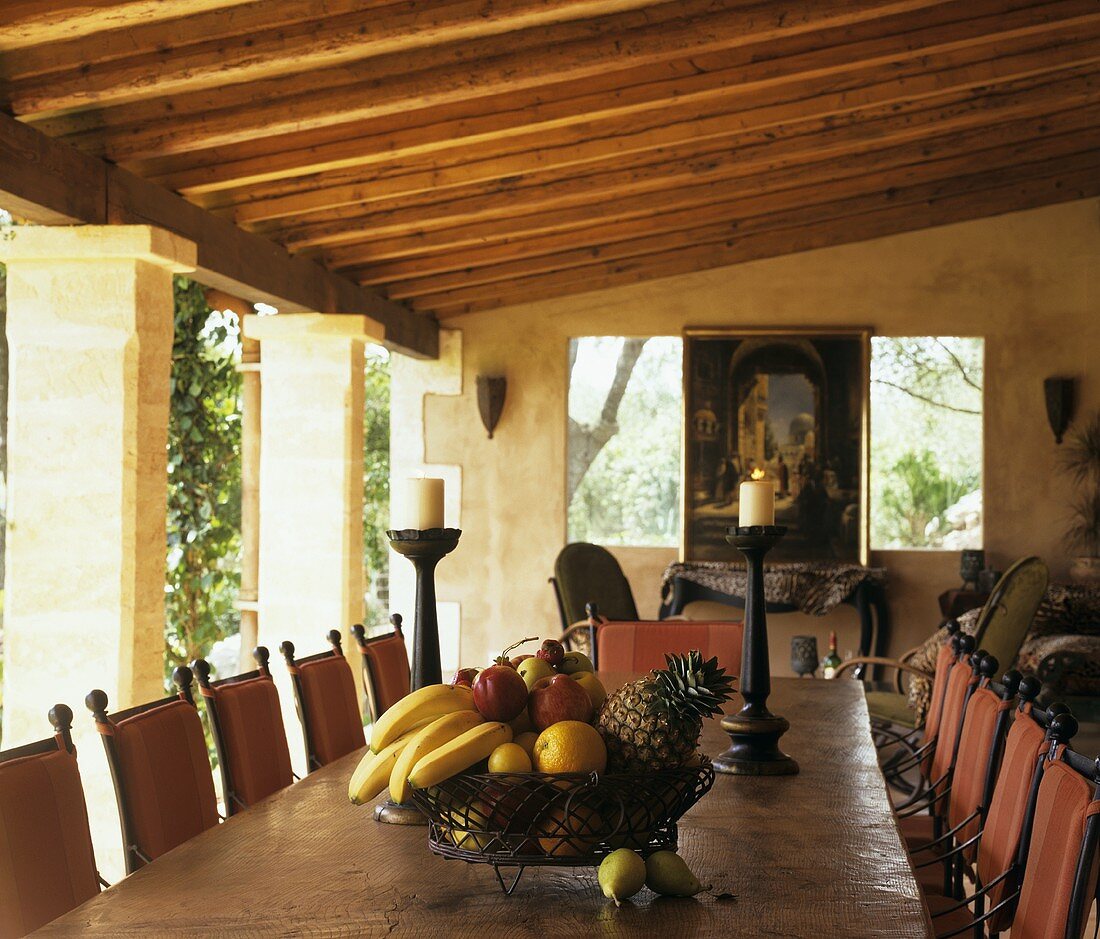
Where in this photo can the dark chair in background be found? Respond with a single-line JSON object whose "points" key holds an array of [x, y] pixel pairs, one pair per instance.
{"points": [[386, 675], [247, 725], [47, 866], [324, 693], [586, 573], [161, 771]]}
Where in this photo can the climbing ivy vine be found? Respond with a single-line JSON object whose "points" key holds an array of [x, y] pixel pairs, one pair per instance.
{"points": [[204, 479]]}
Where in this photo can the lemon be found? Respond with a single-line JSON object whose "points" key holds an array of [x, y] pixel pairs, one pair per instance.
{"points": [[509, 758]]}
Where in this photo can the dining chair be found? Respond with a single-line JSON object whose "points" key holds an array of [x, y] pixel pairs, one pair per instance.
{"points": [[997, 864], [161, 772], [975, 773], [386, 675], [1058, 853], [247, 725], [587, 573], [47, 865], [641, 645], [324, 695]]}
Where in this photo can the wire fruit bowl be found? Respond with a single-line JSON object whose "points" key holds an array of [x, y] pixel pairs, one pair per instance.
{"points": [[557, 819]]}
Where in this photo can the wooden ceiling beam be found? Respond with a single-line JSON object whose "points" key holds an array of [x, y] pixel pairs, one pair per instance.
{"points": [[564, 112], [258, 41], [985, 196], [908, 136], [692, 205], [50, 183], [375, 87], [683, 229], [26, 23]]}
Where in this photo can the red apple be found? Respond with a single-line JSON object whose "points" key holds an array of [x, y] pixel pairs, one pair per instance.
{"points": [[552, 651], [555, 699], [500, 694], [465, 676]]}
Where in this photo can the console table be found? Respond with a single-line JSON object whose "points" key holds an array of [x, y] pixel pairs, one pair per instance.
{"points": [[812, 588]]}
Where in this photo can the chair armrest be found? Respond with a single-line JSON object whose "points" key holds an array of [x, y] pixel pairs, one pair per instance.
{"points": [[895, 664], [581, 626]]}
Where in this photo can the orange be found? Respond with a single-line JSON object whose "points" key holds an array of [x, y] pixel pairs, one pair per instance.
{"points": [[570, 747], [572, 836]]}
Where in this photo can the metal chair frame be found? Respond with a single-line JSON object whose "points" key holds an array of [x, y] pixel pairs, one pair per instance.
{"points": [[370, 682]]}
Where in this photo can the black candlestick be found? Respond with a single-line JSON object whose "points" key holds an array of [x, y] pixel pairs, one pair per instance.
{"points": [[754, 731], [425, 549]]}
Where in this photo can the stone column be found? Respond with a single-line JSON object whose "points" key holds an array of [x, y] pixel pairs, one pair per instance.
{"points": [[90, 326], [311, 486]]}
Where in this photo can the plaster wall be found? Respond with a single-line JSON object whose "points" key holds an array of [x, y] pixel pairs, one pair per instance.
{"points": [[1028, 282]]}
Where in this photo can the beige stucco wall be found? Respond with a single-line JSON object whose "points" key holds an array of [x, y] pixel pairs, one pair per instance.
{"points": [[1028, 282]]}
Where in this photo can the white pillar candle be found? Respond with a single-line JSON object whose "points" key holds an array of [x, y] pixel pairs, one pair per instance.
{"points": [[426, 503], [757, 501]]}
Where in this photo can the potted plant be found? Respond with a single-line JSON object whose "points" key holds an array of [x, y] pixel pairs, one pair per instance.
{"points": [[1082, 460]]}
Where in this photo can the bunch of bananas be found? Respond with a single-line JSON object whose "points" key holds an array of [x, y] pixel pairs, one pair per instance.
{"points": [[428, 736]]}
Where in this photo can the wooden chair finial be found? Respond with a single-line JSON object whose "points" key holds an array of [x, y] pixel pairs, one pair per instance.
{"points": [[287, 648], [201, 668], [395, 620], [262, 657], [591, 610], [1011, 681], [360, 634], [988, 666], [965, 644], [336, 641], [182, 678], [1063, 728], [61, 718], [96, 702], [1029, 689]]}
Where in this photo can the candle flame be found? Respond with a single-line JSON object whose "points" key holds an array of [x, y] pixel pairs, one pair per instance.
{"points": [[757, 473]]}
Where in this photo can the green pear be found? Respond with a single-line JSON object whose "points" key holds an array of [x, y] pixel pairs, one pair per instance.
{"points": [[621, 875], [531, 670], [667, 873], [575, 662]]}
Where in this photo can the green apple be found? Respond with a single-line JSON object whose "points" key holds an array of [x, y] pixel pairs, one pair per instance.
{"points": [[531, 670], [575, 662]]}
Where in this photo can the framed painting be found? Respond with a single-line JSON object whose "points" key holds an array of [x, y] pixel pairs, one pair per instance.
{"points": [[793, 406]]}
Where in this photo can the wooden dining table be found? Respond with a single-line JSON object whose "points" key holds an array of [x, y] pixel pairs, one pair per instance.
{"points": [[817, 854]]}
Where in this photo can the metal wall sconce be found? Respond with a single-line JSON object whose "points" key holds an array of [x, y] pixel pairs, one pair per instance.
{"points": [[1059, 395], [490, 400]]}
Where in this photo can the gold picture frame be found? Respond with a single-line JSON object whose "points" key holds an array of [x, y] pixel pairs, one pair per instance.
{"points": [[772, 398]]}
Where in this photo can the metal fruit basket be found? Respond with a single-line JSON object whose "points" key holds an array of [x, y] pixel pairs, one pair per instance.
{"points": [[557, 819]]}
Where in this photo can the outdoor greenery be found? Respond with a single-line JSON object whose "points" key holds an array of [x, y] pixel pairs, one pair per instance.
{"points": [[204, 479], [627, 485], [926, 442], [376, 479]]}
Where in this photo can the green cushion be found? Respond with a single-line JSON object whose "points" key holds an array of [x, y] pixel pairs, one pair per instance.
{"points": [[891, 706]]}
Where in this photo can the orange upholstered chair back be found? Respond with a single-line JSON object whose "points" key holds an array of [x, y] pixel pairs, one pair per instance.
{"points": [[982, 729], [248, 729], [945, 658], [1065, 803], [1004, 822], [959, 682], [385, 667], [46, 861], [325, 690], [641, 645], [163, 781]]}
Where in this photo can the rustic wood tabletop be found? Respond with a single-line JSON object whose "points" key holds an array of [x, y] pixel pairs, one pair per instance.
{"points": [[817, 854]]}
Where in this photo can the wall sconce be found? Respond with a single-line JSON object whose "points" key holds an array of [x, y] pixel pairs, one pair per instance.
{"points": [[490, 400], [1059, 395]]}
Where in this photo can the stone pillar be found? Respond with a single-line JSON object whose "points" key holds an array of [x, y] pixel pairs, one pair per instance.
{"points": [[311, 486], [90, 326]]}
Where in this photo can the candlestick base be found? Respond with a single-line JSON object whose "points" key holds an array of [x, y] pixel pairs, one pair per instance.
{"points": [[754, 731], [425, 549], [397, 813]]}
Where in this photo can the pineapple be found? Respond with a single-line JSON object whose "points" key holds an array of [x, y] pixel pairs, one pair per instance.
{"points": [[654, 723]]}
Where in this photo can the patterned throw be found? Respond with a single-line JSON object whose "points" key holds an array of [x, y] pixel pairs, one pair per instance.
{"points": [[1068, 621], [812, 587]]}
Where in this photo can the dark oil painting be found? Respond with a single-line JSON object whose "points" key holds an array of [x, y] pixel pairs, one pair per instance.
{"points": [[794, 406]]}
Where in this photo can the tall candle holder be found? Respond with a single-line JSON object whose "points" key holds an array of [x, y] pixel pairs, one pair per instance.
{"points": [[754, 731], [424, 549]]}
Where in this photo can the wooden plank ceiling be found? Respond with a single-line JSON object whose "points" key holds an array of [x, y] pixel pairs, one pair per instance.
{"points": [[463, 155]]}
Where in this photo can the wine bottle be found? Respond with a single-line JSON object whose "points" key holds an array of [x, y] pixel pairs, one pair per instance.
{"points": [[831, 662]]}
